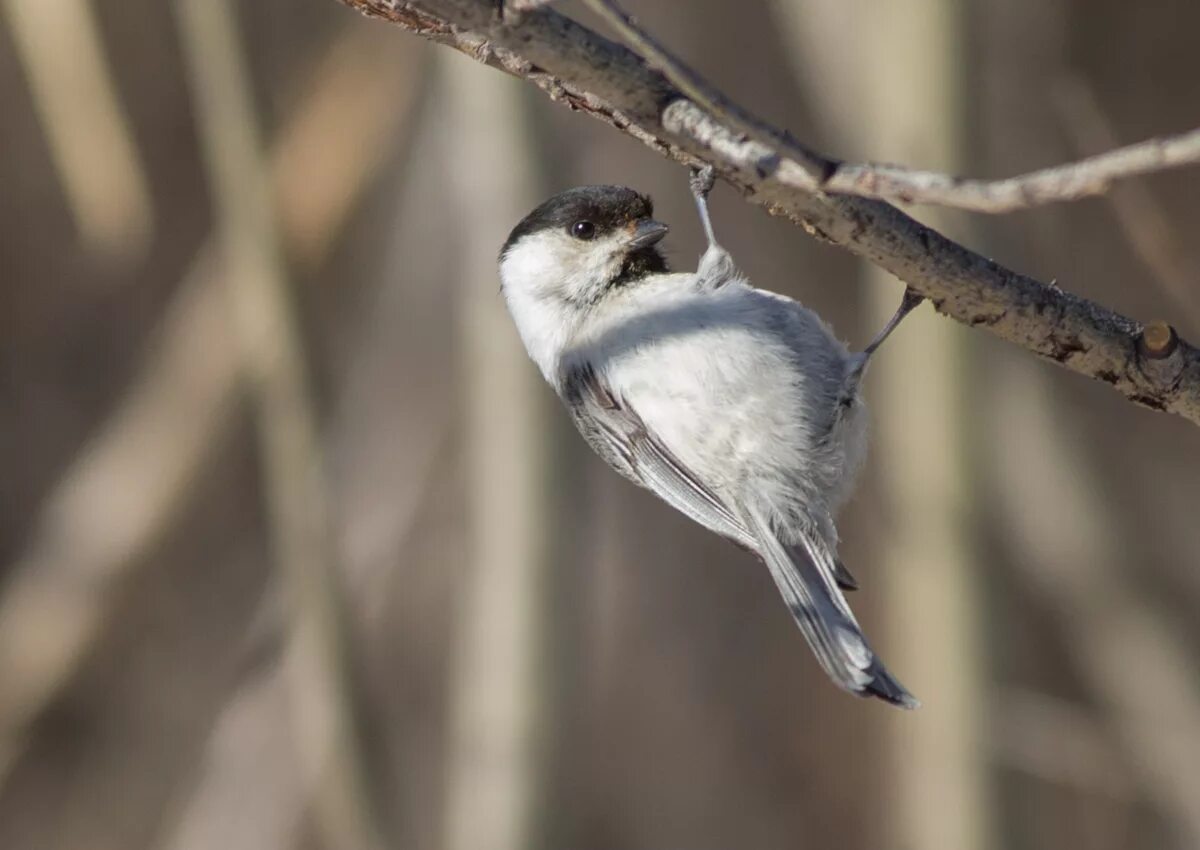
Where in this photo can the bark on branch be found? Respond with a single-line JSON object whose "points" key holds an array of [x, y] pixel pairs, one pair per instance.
{"points": [[588, 73], [886, 182]]}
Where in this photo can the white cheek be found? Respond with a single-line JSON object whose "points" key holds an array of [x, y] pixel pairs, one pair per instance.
{"points": [[551, 263], [549, 278], [534, 266], [535, 274]]}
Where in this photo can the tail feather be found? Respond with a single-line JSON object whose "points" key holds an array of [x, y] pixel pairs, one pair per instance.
{"points": [[845, 578], [808, 581], [884, 686]]}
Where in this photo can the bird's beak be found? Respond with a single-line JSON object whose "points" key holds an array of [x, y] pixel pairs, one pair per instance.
{"points": [[646, 232]]}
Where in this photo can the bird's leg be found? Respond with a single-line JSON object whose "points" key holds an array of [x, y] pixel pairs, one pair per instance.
{"points": [[716, 266], [701, 183], [908, 303]]}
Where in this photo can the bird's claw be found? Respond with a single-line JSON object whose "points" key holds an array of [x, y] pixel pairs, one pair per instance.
{"points": [[702, 181]]}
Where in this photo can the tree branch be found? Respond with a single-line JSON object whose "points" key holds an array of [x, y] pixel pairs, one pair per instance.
{"points": [[591, 74], [1069, 182], [1149, 228]]}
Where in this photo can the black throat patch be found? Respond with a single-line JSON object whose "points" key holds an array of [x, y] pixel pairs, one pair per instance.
{"points": [[639, 264]]}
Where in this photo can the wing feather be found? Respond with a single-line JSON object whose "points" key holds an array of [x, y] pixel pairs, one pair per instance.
{"points": [[620, 436], [807, 574]]}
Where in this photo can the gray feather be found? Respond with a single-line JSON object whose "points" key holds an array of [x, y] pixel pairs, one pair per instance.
{"points": [[722, 399], [617, 433], [809, 588]]}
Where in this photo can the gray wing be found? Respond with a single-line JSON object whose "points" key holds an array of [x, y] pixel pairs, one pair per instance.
{"points": [[807, 576], [620, 436]]}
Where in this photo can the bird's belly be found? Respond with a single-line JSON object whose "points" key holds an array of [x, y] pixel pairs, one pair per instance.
{"points": [[728, 409]]}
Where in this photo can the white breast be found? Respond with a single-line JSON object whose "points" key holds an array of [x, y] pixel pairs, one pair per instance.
{"points": [[708, 376]]}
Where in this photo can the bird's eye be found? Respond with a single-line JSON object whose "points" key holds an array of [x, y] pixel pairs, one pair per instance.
{"points": [[583, 230]]}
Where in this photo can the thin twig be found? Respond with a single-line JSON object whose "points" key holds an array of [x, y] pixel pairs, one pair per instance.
{"points": [[1068, 182], [1149, 228], [588, 73], [817, 168]]}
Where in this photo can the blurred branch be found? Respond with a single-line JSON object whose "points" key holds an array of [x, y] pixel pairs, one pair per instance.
{"points": [[114, 503], [1067, 547], [90, 140], [937, 772], [586, 72], [1149, 228], [1058, 742], [247, 795], [363, 88], [272, 355], [502, 718], [122, 492]]}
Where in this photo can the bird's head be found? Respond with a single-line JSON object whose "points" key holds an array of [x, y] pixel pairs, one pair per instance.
{"points": [[580, 244]]}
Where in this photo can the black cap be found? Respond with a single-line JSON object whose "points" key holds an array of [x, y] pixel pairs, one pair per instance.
{"points": [[607, 207]]}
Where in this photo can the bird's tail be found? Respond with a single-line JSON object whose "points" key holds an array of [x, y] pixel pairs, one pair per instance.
{"points": [[807, 581]]}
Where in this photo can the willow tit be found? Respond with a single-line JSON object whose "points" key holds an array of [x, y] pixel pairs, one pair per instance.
{"points": [[736, 406]]}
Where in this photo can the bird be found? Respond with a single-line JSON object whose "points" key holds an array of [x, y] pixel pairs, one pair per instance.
{"points": [[736, 406]]}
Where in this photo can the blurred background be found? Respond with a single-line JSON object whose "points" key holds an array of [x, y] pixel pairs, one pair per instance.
{"points": [[297, 551]]}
